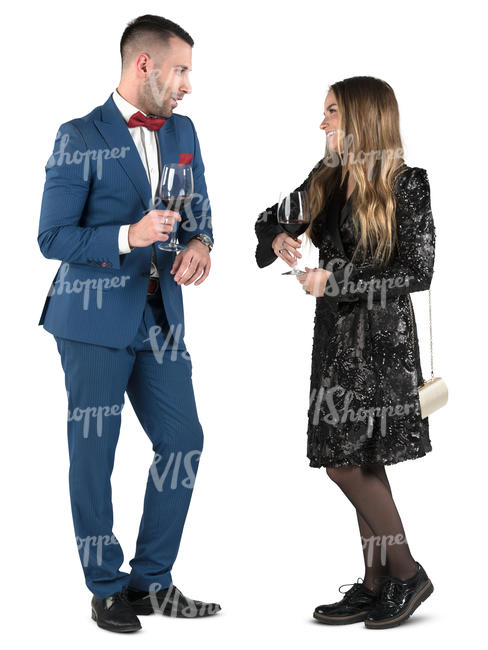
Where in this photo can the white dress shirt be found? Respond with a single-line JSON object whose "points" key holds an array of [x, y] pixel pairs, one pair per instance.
{"points": [[146, 142]]}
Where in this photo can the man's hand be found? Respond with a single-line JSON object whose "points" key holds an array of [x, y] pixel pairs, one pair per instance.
{"points": [[151, 228], [192, 264], [314, 281]]}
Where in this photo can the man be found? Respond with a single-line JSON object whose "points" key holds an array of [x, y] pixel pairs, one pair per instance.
{"points": [[115, 309]]}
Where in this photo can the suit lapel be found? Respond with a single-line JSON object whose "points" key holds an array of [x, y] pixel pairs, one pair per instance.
{"points": [[114, 131], [168, 142]]}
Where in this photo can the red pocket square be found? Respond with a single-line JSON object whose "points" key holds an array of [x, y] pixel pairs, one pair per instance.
{"points": [[185, 158]]}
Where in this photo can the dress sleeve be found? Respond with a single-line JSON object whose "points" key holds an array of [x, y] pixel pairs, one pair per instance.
{"points": [[267, 227], [413, 265]]}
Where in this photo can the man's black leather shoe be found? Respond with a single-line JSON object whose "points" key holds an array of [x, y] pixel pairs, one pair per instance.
{"points": [[114, 613], [353, 608], [399, 599], [170, 602]]}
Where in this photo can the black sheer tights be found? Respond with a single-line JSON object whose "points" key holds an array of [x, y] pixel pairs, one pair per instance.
{"points": [[385, 547]]}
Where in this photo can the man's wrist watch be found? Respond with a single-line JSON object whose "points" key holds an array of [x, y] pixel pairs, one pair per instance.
{"points": [[205, 239]]}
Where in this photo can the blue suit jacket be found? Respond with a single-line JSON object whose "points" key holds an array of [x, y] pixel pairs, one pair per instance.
{"points": [[95, 182]]}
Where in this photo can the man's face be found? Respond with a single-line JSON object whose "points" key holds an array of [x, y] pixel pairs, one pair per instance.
{"points": [[168, 79]]}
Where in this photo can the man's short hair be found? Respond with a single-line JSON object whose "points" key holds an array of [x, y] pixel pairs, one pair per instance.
{"points": [[151, 27]]}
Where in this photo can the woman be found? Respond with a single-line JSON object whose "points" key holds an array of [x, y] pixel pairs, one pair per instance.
{"points": [[373, 226]]}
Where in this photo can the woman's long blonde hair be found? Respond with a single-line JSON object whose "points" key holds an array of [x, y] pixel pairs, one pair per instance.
{"points": [[369, 146]]}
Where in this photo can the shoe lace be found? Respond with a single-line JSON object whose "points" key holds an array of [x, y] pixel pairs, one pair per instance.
{"points": [[120, 596], [354, 588]]}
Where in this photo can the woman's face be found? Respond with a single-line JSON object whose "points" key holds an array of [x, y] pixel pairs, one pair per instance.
{"points": [[330, 123]]}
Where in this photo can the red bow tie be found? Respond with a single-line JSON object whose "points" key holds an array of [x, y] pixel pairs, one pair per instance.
{"points": [[151, 123]]}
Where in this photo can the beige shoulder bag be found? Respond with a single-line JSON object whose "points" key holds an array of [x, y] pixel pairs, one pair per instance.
{"points": [[432, 393]]}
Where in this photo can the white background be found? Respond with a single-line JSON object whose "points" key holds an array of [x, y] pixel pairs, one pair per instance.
{"points": [[266, 536]]}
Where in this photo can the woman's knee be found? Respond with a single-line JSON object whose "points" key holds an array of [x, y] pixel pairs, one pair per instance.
{"points": [[335, 473], [341, 474]]}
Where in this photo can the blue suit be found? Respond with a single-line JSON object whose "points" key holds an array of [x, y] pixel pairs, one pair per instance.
{"points": [[113, 338], [95, 182]]}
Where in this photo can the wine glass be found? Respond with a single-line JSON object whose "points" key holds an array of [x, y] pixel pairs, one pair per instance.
{"points": [[175, 190], [294, 215]]}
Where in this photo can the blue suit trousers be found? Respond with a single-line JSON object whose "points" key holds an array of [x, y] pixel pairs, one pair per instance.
{"points": [[156, 372]]}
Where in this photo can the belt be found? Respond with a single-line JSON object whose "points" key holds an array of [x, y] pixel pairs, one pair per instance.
{"points": [[153, 286]]}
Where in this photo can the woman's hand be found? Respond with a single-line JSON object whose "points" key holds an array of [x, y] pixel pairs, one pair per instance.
{"points": [[314, 281], [290, 246]]}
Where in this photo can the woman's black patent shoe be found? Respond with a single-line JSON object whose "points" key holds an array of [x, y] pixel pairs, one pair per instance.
{"points": [[399, 599], [353, 608]]}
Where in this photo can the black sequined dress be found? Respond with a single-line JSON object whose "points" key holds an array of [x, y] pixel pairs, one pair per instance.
{"points": [[364, 404]]}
